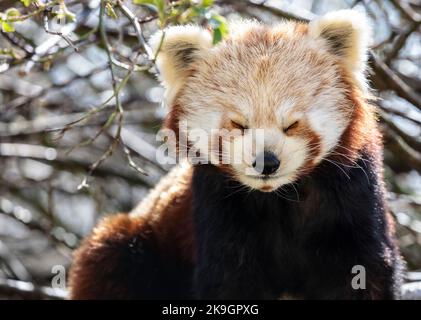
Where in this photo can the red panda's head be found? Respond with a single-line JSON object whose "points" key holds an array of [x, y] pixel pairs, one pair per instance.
{"points": [[299, 83]]}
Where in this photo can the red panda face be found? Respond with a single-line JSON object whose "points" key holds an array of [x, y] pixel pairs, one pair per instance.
{"points": [[272, 101]]}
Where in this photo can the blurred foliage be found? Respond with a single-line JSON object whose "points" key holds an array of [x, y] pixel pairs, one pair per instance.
{"points": [[79, 109]]}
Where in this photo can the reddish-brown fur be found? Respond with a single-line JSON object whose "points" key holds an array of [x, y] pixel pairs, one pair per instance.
{"points": [[98, 258], [166, 217], [171, 223]]}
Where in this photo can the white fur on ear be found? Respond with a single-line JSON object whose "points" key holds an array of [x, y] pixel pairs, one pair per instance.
{"points": [[180, 47], [347, 35]]}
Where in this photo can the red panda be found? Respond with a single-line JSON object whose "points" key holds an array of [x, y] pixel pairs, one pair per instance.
{"points": [[298, 227]]}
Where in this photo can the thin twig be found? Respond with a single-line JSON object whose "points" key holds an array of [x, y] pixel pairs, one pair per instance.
{"points": [[57, 33], [41, 9], [413, 142], [386, 74], [119, 111], [136, 25]]}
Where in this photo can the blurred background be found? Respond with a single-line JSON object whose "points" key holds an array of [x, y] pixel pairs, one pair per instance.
{"points": [[80, 106]]}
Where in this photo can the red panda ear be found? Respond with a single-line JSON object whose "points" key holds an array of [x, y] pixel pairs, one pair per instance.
{"points": [[346, 34], [178, 47]]}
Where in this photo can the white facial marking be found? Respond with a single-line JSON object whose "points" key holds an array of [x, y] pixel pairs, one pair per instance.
{"points": [[285, 108], [269, 86]]}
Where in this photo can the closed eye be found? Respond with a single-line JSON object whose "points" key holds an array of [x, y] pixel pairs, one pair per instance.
{"points": [[291, 127], [237, 125]]}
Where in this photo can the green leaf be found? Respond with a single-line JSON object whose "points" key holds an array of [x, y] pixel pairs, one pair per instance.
{"points": [[207, 3], [219, 26], [70, 16], [152, 2], [12, 13], [26, 3], [160, 4], [110, 11], [200, 11], [7, 26], [217, 36]]}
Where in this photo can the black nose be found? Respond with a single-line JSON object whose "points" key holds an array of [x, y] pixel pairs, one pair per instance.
{"points": [[268, 161]]}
